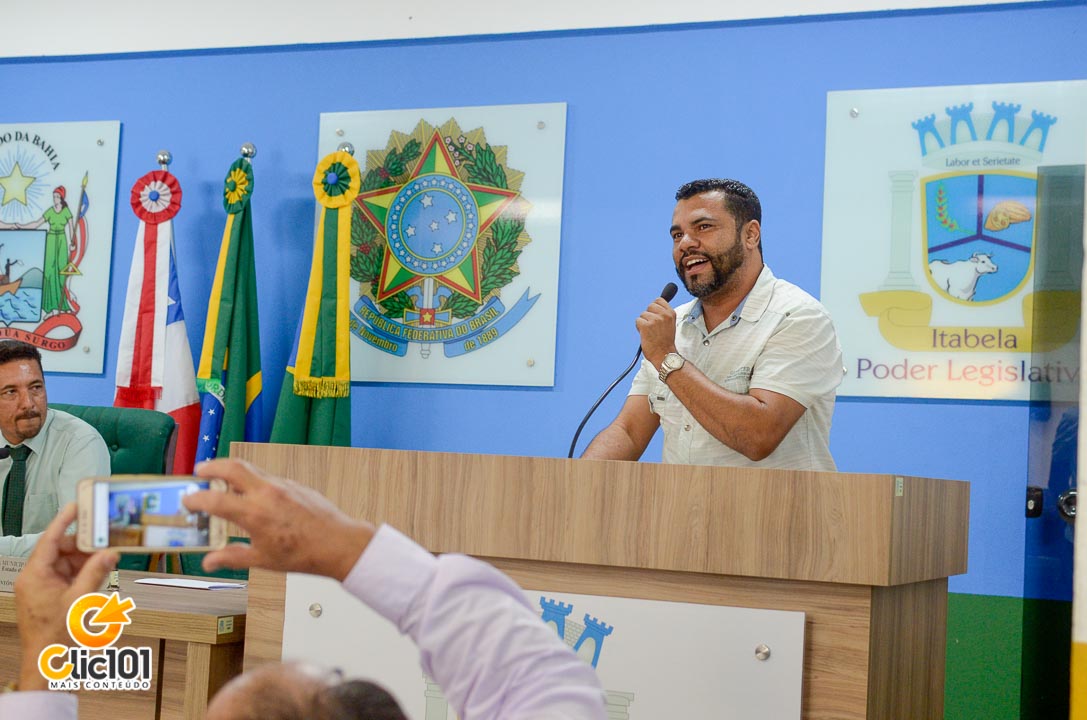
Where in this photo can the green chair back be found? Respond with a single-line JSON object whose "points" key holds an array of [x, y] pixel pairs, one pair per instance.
{"points": [[140, 442]]}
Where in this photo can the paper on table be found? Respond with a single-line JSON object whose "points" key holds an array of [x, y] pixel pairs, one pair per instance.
{"points": [[194, 584]]}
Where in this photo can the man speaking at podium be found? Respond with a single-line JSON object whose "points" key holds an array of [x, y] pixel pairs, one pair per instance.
{"points": [[743, 375]]}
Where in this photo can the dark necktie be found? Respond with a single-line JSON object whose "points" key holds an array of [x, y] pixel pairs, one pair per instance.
{"points": [[15, 491]]}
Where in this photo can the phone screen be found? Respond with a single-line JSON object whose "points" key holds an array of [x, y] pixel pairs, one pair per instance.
{"points": [[148, 514]]}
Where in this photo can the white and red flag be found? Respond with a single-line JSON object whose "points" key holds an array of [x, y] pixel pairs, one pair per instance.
{"points": [[154, 363]]}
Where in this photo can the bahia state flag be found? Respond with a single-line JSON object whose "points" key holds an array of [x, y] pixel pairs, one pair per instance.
{"points": [[154, 365], [229, 375], [315, 402]]}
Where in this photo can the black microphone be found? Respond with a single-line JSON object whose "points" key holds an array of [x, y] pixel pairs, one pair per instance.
{"points": [[5, 452], [667, 294]]}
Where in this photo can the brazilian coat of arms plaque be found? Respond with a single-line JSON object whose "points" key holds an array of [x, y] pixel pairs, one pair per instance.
{"points": [[454, 242]]}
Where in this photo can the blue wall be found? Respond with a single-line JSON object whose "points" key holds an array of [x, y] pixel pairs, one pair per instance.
{"points": [[648, 110]]}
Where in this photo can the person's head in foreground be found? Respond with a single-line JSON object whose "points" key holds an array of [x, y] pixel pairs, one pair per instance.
{"points": [[285, 691]]}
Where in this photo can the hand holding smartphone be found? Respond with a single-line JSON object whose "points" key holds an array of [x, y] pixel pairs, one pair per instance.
{"points": [[144, 513]]}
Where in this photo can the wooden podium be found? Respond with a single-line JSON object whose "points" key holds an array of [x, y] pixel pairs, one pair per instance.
{"points": [[866, 557]]}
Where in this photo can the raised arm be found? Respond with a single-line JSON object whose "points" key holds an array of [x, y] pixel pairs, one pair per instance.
{"points": [[800, 363], [477, 635]]}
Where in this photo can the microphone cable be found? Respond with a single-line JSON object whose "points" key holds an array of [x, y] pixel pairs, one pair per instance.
{"points": [[667, 294]]}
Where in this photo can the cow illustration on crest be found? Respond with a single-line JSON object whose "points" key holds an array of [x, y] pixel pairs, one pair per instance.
{"points": [[978, 232]]}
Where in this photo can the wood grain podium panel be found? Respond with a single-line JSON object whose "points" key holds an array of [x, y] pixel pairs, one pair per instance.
{"points": [[264, 616], [866, 557]]}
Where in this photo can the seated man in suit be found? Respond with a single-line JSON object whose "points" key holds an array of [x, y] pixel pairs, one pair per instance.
{"points": [[46, 452]]}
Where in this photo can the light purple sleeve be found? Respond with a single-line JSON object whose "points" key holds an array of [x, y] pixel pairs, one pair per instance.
{"points": [[38, 705], [477, 635]]}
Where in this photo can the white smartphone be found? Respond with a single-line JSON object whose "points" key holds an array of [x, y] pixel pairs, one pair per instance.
{"points": [[144, 513]]}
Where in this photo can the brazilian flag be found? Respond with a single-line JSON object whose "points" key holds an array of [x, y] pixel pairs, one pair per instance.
{"points": [[315, 402], [229, 375]]}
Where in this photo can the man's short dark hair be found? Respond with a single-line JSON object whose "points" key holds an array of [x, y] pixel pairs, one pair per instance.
{"points": [[740, 200], [11, 350]]}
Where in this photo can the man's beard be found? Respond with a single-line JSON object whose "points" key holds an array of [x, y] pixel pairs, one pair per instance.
{"points": [[724, 264]]}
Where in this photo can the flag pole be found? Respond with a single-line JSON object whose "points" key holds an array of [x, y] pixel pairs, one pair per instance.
{"points": [[315, 399], [154, 359], [229, 374]]}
